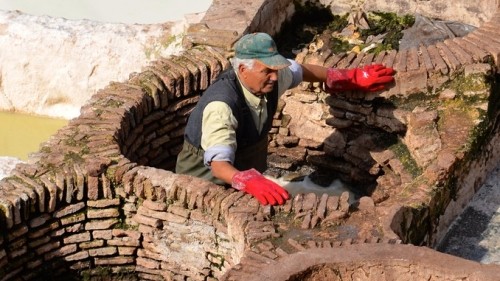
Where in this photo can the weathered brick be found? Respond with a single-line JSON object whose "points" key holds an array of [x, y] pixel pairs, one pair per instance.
{"points": [[104, 251], [202, 71], [414, 81], [484, 43], [71, 219], [75, 238], [100, 224], [33, 243], [77, 227], [17, 232], [47, 247], [367, 59], [127, 251], [102, 234], [93, 187], [400, 61], [156, 223], [38, 188], [35, 263], [28, 192], [40, 220], [95, 243], [124, 241], [357, 60], [114, 261], [389, 58], [379, 57], [213, 69], [80, 265], [412, 59], [62, 251], [460, 53], [148, 263], [448, 56], [77, 256], [18, 251], [334, 60], [477, 53], [153, 205], [437, 60], [8, 211], [179, 210], [71, 209], [106, 186], [43, 230], [425, 58], [173, 76], [53, 192], [346, 61], [103, 213], [132, 234], [103, 203], [80, 181], [69, 183]]}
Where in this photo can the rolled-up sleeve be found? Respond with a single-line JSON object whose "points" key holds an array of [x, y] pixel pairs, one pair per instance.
{"points": [[297, 74], [290, 77], [218, 133]]}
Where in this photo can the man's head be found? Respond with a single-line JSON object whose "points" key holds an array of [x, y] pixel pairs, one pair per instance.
{"points": [[260, 46], [258, 62]]}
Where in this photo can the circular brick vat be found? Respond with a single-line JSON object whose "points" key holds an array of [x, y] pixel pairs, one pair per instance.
{"points": [[367, 262], [100, 199]]}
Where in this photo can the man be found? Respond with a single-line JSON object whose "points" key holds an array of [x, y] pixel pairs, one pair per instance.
{"points": [[226, 136]]}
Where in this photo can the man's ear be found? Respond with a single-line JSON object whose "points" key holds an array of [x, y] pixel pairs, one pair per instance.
{"points": [[242, 69]]}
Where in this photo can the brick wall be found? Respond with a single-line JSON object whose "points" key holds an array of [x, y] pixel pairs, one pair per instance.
{"points": [[100, 197]]}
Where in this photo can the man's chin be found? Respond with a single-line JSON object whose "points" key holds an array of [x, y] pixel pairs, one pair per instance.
{"points": [[268, 89]]}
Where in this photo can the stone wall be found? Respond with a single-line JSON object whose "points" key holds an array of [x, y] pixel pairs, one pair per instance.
{"points": [[52, 66], [100, 200], [463, 11]]}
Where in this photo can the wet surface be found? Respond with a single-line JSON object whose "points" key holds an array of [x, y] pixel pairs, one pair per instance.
{"points": [[22, 134], [475, 234]]}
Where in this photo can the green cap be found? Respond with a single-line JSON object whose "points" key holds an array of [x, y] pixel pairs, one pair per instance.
{"points": [[260, 46]]}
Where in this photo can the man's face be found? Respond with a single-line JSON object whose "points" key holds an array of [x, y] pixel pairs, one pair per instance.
{"points": [[260, 79]]}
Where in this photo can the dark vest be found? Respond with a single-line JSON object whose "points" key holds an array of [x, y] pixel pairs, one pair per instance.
{"points": [[252, 146]]}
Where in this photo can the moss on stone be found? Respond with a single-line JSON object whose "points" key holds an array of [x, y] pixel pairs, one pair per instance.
{"points": [[403, 154], [389, 23], [308, 20], [125, 226], [46, 149], [472, 83], [155, 49], [110, 174], [408, 103], [113, 103], [72, 157]]}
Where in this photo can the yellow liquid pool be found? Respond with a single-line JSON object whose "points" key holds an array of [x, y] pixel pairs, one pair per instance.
{"points": [[22, 134]]}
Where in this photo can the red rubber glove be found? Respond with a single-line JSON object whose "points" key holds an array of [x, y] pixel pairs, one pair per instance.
{"points": [[266, 191], [370, 78]]}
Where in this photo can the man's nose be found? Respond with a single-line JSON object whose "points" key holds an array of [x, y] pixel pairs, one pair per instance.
{"points": [[273, 76]]}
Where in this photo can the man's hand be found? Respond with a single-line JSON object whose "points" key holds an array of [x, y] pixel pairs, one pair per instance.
{"points": [[370, 78], [266, 191]]}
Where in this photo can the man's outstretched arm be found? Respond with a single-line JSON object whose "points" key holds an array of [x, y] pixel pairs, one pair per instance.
{"points": [[369, 78]]}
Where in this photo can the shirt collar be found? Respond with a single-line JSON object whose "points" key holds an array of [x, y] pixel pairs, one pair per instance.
{"points": [[252, 100]]}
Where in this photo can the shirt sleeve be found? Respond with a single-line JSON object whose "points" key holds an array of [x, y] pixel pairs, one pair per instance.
{"points": [[290, 76], [218, 133]]}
